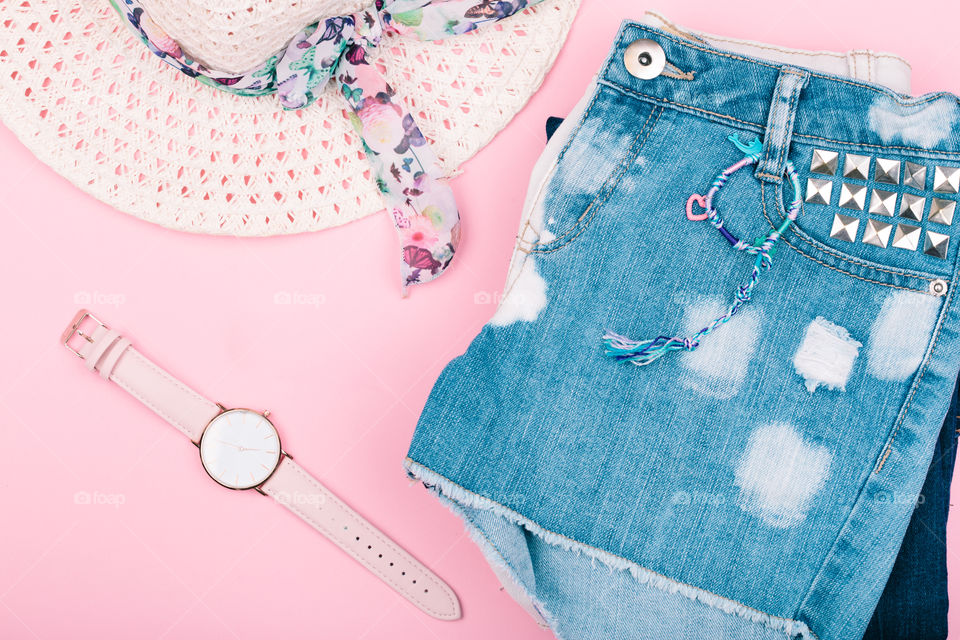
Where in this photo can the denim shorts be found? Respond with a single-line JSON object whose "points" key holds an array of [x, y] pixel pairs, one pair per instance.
{"points": [[755, 483]]}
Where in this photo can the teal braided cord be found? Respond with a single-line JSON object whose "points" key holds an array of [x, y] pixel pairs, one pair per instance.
{"points": [[644, 352]]}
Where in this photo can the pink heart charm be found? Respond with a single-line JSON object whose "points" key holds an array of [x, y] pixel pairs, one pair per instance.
{"points": [[700, 200]]}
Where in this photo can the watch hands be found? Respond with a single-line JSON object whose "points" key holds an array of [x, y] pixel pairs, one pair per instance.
{"points": [[237, 446]]}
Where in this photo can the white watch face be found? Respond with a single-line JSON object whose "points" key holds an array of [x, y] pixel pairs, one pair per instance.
{"points": [[240, 449]]}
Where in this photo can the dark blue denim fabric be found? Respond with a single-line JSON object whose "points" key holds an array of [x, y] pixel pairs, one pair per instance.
{"points": [[914, 603], [553, 123]]}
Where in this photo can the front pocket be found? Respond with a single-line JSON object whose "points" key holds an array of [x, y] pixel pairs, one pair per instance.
{"points": [[601, 151], [857, 220]]}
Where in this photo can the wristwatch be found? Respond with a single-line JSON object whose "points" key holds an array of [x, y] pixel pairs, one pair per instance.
{"points": [[240, 449]]}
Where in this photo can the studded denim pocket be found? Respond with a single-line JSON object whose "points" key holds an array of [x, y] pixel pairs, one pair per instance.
{"points": [[879, 215]]}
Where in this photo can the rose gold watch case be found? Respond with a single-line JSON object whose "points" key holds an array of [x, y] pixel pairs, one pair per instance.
{"points": [[280, 456]]}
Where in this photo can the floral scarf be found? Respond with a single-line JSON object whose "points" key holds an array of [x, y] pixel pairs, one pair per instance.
{"points": [[407, 172]]}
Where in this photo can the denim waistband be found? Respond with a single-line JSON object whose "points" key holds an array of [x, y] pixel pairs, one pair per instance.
{"points": [[830, 109], [878, 67], [797, 111]]}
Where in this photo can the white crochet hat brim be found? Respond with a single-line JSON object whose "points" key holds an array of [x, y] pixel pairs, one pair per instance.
{"points": [[91, 101]]}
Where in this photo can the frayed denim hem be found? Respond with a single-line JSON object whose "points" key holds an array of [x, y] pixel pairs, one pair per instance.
{"points": [[454, 495]]}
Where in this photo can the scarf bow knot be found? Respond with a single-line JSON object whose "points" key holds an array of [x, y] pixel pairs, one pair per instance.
{"points": [[336, 49], [316, 54]]}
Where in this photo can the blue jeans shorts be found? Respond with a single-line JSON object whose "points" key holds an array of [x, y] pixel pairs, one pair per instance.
{"points": [[754, 476]]}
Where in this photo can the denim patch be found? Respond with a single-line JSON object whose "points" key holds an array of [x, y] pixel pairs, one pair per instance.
{"points": [[826, 356]]}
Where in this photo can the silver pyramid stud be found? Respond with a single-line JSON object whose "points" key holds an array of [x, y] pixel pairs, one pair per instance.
{"points": [[856, 167], [912, 206], [877, 233], [946, 179], [824, 162], [936, 244], [819, 191], [906, 236], [941, 211], [883, 203], [844, 227], [915, 175], [888, 171], [853, 196]]}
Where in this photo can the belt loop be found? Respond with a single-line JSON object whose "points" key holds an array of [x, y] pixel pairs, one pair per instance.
{"points": [[783, 111], [860, 64]]}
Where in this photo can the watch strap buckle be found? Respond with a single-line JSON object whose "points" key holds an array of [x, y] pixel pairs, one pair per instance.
{"points": [[76, 329]]}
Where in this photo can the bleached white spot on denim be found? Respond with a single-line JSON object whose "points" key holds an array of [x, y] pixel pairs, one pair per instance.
{"points": [[546, 237], [718, 367], [779, 474], [535, 230], [525, 297], [591, 148], [923, 125], [826, 355], [900, 334]]}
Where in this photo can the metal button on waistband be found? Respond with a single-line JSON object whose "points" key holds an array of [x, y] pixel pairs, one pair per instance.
{"points": [[645, 59]]}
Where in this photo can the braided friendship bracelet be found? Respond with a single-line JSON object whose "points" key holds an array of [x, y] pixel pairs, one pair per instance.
{"points": [[644, 352]]}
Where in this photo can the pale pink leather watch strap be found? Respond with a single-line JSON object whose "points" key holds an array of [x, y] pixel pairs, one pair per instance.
{"points": [[111, 355], [107, 352], [293, 487]]}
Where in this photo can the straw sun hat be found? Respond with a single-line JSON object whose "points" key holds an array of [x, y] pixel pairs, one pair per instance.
{"points": [[83, 93]]}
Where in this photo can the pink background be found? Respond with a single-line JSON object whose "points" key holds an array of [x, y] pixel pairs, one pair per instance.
{"points": [[161, 551]]}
